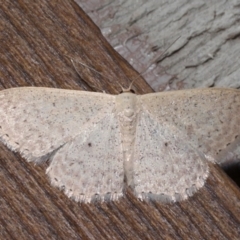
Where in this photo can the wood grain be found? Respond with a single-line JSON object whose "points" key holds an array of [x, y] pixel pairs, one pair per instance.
{"points": [[205, 54], [38, 39]]}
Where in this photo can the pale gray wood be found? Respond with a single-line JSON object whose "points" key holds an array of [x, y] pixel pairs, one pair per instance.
{"points": [[205, 54]]}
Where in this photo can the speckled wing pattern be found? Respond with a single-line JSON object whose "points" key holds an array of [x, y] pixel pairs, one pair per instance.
{"points": [[81, 134], [177, 132], [90, 166], [167, 167], [209, 118], [71, 127]]}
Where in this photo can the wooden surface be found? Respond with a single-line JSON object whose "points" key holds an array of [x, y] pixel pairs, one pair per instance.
{"points": [[205, 53], [37, 41]]}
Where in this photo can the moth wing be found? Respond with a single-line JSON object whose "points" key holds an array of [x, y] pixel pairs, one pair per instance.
{"points": [[209, 118], [166, 165], [37, 121], [91, 166]]}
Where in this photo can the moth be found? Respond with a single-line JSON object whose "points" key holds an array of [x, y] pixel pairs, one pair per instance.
{"points": [[159, 144]]}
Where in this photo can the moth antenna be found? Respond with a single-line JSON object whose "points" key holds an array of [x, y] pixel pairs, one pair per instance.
{"points": [[72, 61], [75, 68], [140, 74], [84, 66]]}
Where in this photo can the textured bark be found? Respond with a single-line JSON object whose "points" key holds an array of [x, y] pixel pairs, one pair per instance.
{"points": [[206, 51], [38, 39]]}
